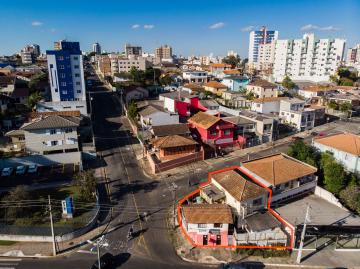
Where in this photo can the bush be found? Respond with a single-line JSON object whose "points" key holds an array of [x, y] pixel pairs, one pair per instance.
{"points": [[351, 197]]}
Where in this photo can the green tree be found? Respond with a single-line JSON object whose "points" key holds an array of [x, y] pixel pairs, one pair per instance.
{"points": [[86, 182], [351, 197], [334, 173], [33, 99], [165, 80], [152, 75], [137, 75], [288, 83], [14, 202], [250, 96], [36, 80], [333, 105], [345, 107], [303, 152], [132, 110], [232, 60], [346, 82]]}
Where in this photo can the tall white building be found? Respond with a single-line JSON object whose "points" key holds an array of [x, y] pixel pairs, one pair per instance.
{"points": [[262, 36], [96, 48], [307, 58], [266, 56]]}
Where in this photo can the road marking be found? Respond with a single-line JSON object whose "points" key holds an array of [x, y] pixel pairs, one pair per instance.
{"points": [[85, 251]]}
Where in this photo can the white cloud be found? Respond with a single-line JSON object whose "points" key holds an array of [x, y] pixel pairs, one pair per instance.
{"points": [[312, 27], [36, 23], [247, 28], [149, 26], [135, 26], [217, 25]]}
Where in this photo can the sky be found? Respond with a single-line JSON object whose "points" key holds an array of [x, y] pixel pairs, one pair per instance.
{"points": [[191, 27]]}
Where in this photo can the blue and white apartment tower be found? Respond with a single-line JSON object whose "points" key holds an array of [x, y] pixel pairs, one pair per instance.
{"points": [[257, 38], [66, 72]]}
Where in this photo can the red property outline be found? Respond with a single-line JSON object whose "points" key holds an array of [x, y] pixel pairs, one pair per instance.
{"points": [[276, 215]]}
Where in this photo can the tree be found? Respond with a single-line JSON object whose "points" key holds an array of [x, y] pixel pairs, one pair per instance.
{"points": [[334, 173], [35, 80], [232, 60], [137, 75], [345, 107], [33, 99], [132, 110], [250, 96], [86, 181], [16, 198], [346, 82], [303, 152], [288, 83], [333, 105], [165, 80], [351, 197]]}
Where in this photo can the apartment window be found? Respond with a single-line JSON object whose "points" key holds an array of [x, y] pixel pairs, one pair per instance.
{"points": [[54, 143], [77, 75], [61, 58], [61, 66], [76, 58], [257, 202], [63, 84], [78, 83], [76, 66], [201, 225], [78, 91], [70, 141], [62, 75]]}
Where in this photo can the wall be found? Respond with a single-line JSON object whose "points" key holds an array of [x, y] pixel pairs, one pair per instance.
{"points": [[266, 107], [63, 106], [43, 160], [158, 167], [350, 162], [161, 118], [328, 196]]}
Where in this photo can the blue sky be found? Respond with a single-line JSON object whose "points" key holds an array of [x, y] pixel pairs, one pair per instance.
{"points": [[190, 27]]}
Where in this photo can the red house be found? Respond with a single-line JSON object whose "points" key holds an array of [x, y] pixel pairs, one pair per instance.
{"points": [[212, 130]]}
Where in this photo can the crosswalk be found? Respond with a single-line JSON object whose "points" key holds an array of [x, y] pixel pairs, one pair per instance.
{"points": [[10, 263]]}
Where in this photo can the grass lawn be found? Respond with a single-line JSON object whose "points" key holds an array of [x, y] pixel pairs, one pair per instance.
{"points": [[7, 243]]}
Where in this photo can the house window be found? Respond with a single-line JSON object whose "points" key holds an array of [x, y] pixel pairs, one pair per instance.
{"points": [[201, 225], [257, 202], [217, 225], [68, 130], [227, 132], [52, 131], [213, 132], [54, 143]]}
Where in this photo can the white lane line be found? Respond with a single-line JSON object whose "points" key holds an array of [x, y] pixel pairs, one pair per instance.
{"points": [[86, 251]]}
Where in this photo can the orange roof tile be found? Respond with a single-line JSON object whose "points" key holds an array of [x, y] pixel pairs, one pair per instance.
{"points": [[269, 99], [172, 141], [279, 168], [215, 84], [231, 72], [207, 213], [345, 142], [219, 65], [204, 120]]}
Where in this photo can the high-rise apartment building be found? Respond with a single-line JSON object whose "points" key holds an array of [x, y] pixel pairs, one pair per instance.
{"points": [[66, 73], [266, 57], [353, 55], [96, 48], [262, 36], [163, 52], [29, 53], [307, 58], [132, 50]]}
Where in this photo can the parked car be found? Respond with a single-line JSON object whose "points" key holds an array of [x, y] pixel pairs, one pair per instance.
{"points": [[314, 133], [106, 261], [296, 138], [7, 171], [20, 170], [32, 168]]}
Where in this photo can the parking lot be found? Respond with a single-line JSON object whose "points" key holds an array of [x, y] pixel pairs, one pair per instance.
{"points": [[44, 174], [322, 212]]}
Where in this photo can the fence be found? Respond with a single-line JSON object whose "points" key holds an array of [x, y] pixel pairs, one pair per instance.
{"points": [[328, 196], [158, 166]]}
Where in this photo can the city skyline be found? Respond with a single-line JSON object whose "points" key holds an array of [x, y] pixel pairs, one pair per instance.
{"points": [[225, 27]]}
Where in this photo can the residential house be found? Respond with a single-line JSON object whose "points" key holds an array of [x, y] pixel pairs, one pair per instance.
{"points": [[134, 93], [234, 99], [215, 87], [294, 113], [207, 224], [212, 130], [4, 102], [51, 134], [262, 88], [20, 95], [266, 125], [235, 82], [267, 104], [217, 69], [285, 176], [195, 76], [170, 129], [17, 138], [246, 129], [311, 91], [153, 115], [7, 84], [193, 88], [320, 117], [181, 102], [210, 106], [339, 99], [345, 148], [231, 72]]}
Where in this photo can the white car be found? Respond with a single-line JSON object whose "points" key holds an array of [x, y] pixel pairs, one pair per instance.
{"points": [[20, 170], [7, 171], [32, 168]]}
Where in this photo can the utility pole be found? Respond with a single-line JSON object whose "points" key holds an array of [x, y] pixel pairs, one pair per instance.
{"points": [[52, 228], [174, 188], [98, 253], [298, 260]]}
